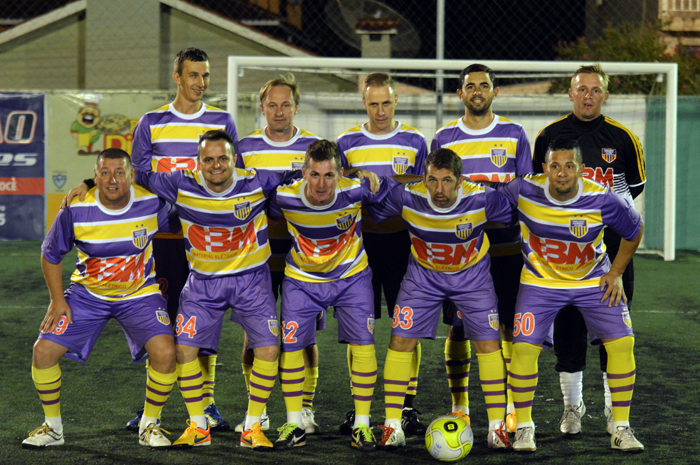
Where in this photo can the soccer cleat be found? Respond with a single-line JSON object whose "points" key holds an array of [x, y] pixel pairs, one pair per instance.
{"points": [[42, 437], [290, 436], [525, 439], [347, 426], [307, 419], [623, 439], [462, 415], [363, 438], [264, 423], [571, 420], [609, 420], [511, 422], [193, 437], [410, 423], [498, 438], [216, 421], [392, 438], [153, 437], [255, 439]]}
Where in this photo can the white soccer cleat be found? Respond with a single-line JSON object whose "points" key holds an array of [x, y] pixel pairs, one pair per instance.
{"points": [[498, 438], [392, 438], [42, 437], [264, 422], [153, 437], [525, 439], [609, 420], [571, 420], [623, 439], [310, 425]]}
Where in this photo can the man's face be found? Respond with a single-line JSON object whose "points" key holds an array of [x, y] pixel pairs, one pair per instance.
{"points": [[113, 179], [380, 103], [216, 161], [588, 93], [279, 109], [442, 186], [563, 172], [321, 180], [194, 80], [477, 93]]}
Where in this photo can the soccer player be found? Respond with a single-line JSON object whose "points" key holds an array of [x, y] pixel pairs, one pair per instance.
{"points": [[326, 267], [562, 216], [113, 230], [166, 140], [449, 261], [387, 148], [492, 149], [279, 147], [612, 156]]}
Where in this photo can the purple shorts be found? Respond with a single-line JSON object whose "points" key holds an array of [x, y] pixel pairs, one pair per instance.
{"points": [[204, 302], [141, 319], [537, 307], [303, 303], [419, 304]]}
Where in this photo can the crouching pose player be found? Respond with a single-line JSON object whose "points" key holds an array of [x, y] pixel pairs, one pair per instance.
{"points": [[114, 278], [449, 261], [562, 217]]}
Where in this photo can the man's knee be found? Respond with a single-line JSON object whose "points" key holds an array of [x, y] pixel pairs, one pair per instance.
{"points": [[267, 353], [46, 354]]}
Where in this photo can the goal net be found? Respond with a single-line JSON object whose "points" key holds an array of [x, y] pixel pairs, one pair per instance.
{"points": [[331, 103]]}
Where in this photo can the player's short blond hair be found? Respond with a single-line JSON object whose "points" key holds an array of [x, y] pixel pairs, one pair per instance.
{"points": [[288, 81], [379, 80], [592, 69]]}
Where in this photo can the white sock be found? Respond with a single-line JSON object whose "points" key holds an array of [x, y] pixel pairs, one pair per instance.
{"points": [[361, 420], [145, 421], [201, 422], [463, 408], [608, 398], [571, 387], [496, 424], [393, 423], [295, 417], [626, 424], [250, 421], [510, 409], [55, 423]]}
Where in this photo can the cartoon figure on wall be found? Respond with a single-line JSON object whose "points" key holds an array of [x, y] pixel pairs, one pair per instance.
{"points": [[84, 129]]}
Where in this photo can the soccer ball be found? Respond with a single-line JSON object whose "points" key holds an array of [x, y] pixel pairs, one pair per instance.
{"points": [[449, 438]]}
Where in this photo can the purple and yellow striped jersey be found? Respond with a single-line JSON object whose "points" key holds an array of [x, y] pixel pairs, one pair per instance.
{"points": [[446, 240], [563, 241], [115, 255], [166, 140], [256, 150], [327, 240], [225, 233]]}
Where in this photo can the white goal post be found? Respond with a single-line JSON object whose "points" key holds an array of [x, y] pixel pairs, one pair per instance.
{"points": [[666, 72]]}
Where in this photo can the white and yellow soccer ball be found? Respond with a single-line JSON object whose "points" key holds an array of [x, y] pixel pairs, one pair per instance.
{"points": [[449, 438]]}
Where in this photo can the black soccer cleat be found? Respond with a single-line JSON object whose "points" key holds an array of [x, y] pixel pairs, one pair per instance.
{"points": [[410, 423]]}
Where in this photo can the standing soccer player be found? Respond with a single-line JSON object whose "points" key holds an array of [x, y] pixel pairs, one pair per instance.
{"points": [[386, 147], [492, 149], [278, 147], [612, 156], [562, 216], [112, 228]]}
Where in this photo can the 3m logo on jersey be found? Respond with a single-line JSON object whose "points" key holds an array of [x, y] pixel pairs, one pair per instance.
{"points": [[499, 157], [139, 237], [400, 164], [463, 230], [444, 254], [212, 239], [609, 155], [598, 175], [561, 252], [274, 327], [493, 321], [241, 210], [116, 269], [163, 317], [344, 222], [326, 247], [578, 227]]}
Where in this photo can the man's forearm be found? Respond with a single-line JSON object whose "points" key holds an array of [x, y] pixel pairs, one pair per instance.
{"points": [[54, 278], [626, 252]]}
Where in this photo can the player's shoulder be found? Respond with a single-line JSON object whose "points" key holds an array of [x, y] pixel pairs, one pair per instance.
{"points": [[349, 183], [502, 121], [257, 134], [450, 125], [214, 109], [142, 193], [350, 132], [593, 187], [88, 201], [617, 126], [406, 129], [308, 135], [536, 179], [292, 188], [554, 127]]}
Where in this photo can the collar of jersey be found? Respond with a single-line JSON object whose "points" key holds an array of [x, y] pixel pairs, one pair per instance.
{"points": [[566, 202], [272, 143], [185, 116], [305, 201], [478, 132], [369, 135], [448, 209], [121, 211]]}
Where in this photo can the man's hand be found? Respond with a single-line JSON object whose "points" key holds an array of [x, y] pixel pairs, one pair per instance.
{"points": [[373, 179], [615, 291], [57, 308], [80, 190]]}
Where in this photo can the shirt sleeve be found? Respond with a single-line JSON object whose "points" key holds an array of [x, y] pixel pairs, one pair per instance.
{"points": [[141, 146], [231, 129], [164, 185], [435, 143], [273, 208], [59, 240], [539, 151], [523, 155], [385, 186], [340, 142], [420, 157], [619, 215], [509, 190], [499, 208], [635, 166], [271, 180], [390, 207]]}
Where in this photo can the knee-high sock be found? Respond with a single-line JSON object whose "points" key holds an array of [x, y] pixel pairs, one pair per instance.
{"points": [[262, 380], [415, 369], [48, 386], [364, 377], [507, 350], [207, 363], [292, 381], [189, 379], [492, 374], [310, 382], [247, 369], [349, 355], [397, 374], [158, 387], [621, 376], [524, 375], [457, 364]]}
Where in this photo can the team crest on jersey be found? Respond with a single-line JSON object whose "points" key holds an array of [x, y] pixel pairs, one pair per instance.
{"points": [[139, 237], [493, 321], [578, 227], [274, 327], [241, 210], [400, 164], [297, 165], [344, 222], [609, 155], [163, 317], [370, 325], [626, 318], [499, 157], [463, 230]]}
